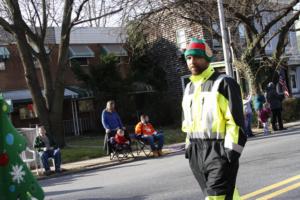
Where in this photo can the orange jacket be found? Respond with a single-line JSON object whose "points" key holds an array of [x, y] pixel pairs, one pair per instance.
{"points": [[146, 129]]}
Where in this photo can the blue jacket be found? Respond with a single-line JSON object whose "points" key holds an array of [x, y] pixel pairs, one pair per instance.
{"points": [[259, 100], [111, 120]]}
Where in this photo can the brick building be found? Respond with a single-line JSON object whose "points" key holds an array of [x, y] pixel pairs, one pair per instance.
{"points": [[86, 46], [166, 40]]}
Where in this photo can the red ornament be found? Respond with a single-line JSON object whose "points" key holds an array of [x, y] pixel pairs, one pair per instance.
{"points": [[3, 159]]}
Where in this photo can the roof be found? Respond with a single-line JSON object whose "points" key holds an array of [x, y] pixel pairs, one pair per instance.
{"points": [[92, 35], [79, 35]]}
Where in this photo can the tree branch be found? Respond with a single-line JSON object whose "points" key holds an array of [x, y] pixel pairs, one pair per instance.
{"points": [[8, 27], [95, 18]]}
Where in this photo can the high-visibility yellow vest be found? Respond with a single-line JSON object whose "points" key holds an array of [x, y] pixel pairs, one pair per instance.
{"points": [[212, 109]]}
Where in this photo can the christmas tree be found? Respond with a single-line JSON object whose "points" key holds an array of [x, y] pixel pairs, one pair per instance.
{"points": [[16, 180]]}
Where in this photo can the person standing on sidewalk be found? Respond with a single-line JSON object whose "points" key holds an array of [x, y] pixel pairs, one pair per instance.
{"points": [[248, 115], [259, 100], [111, 122], [264, 116], [214, 122], [275, 101]]}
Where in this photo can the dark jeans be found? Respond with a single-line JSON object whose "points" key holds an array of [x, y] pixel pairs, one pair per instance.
{"points": [[151, 139], [45, 155], [248, 122], [276, 118]]}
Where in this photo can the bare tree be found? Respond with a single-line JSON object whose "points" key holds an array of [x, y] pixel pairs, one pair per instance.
{"points": [[262, 20], [28, 21]]}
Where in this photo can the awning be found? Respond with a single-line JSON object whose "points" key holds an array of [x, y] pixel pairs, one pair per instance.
{"points": [[4, 53], [18, 96], [80, 51], [115, 49], [82, 92]]}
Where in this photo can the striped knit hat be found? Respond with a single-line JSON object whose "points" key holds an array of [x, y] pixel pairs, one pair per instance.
{"points": [[198, 48]]}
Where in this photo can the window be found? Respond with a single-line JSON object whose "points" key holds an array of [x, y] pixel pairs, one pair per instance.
{"points": [[86, 106], [216, 43], [81, 61], [27, 112], [2, 66], [293, 81], [181, 38], [242, 31]]}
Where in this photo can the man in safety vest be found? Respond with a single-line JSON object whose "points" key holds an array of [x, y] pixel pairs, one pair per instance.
{"points": [[214, 123]]}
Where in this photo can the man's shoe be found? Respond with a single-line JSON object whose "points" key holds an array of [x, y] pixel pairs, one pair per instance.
{"points": [[160, 153], [155, 154], [47, 173], [281, 129]]}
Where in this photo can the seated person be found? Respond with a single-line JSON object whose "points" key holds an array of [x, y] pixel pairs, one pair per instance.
{"points": [[147, 133], [47, 149], [120, 140]]}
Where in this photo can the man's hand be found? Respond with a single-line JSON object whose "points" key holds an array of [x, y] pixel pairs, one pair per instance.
{"points": [[107, 130]]}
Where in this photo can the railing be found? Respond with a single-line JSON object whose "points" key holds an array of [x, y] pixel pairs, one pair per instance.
{"points": [[84, 124]]}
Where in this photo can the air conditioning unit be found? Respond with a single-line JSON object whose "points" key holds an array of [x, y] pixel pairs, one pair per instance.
{"points": [[2, 66]]}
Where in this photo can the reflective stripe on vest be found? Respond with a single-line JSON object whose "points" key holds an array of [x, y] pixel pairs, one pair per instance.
{"points": [[204, 113]]}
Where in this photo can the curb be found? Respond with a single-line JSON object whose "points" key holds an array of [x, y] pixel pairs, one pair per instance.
{"points": [[103, 165]]}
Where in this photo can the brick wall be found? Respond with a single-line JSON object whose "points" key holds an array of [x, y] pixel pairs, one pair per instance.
{"points": [[12, 78]]}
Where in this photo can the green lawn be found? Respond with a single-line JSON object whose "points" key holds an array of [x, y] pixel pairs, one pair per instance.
{"points": [[173, 135], [70, 154], [86, 147]]}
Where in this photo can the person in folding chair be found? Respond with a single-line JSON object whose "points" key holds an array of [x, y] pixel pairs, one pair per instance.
{"points": [[47, 149], [145, 131], [121, 148], [111, 122]]}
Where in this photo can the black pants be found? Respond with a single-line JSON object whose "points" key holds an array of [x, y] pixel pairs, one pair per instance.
{"points": [[212, 169], [276, 118]]}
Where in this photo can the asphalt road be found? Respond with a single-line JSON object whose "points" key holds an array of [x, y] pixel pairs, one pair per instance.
{"points": [[266, 161]]}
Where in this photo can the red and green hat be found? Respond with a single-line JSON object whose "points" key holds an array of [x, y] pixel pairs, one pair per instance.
{"points": [[198, 47]]}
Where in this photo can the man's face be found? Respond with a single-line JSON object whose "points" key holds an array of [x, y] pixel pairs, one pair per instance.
{"points": [[196, 64], [147, 119], [42, 131]]}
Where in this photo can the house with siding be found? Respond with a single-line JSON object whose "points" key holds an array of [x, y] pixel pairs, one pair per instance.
{"points": [[86, 46], [168, 37]]}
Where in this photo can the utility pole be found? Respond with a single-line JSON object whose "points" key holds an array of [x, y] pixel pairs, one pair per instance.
{"points": [[224, 39], [233, 56]]}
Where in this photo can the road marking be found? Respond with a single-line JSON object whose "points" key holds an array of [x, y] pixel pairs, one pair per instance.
{"points": [[270, 187], [279, 192]]}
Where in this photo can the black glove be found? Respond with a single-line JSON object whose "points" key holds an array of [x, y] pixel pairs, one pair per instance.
{"points": [[232, 155]]}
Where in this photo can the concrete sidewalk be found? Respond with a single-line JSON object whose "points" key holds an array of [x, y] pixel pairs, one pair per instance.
{"points": [[290, 126], [102, 162]]}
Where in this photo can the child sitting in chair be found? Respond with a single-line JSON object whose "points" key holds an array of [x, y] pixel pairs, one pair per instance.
{"points": [[120, 139]]}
